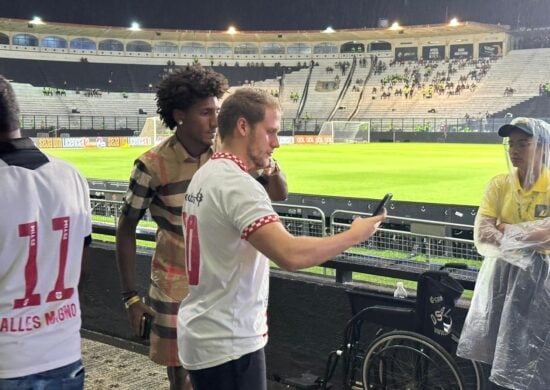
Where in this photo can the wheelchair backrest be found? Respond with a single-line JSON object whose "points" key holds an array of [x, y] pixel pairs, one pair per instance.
{"points": [[436, 296]]}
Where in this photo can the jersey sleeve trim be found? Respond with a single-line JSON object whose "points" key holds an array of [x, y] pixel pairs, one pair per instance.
{"points": [[258, 224]]}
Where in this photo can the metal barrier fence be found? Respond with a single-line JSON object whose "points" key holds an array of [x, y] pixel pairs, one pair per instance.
{"points": [[408, 124], [419, 243], [429, 243], [288, 125], [56, 123]]}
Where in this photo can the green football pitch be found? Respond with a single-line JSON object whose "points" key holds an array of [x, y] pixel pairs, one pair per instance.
{"points": [[419, 172]]}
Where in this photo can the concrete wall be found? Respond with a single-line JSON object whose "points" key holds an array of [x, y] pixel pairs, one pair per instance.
{"points": [[306, 314]]}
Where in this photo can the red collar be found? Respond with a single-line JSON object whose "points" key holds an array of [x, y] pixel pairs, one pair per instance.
{"points": [[231, 157]]}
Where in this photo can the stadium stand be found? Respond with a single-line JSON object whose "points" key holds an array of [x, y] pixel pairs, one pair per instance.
{"points": [[117, 77], [522, 71], [382, 93]]}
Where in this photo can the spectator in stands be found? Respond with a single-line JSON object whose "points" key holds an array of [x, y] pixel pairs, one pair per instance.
{"points": [[45, 230], [187, 101], [508, 323], [222, 327]]}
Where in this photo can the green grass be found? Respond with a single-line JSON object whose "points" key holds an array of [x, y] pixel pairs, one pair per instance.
{"points": [[106, 163], [434, 173], [418, 172]]}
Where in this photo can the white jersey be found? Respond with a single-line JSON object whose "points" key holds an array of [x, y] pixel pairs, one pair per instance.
{"points": [[225, 314], [44, 218]]}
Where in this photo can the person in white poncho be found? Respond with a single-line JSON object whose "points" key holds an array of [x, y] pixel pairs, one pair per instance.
{"points": [[508, 324]]}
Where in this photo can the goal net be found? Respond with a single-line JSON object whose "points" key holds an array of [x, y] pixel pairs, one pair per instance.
{"points": [[154, 128], [345, 131]]}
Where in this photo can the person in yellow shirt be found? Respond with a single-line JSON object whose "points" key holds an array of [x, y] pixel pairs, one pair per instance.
{"points": [[508, 324]]}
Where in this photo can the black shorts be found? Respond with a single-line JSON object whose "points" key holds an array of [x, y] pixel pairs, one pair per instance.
{"points": [[246, 373]]}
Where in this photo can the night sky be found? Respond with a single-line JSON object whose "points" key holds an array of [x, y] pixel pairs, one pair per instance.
{"points": [[277, 15]]}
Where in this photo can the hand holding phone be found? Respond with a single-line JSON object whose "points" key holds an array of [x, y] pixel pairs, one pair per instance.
{"points": [[380, 207], [145, 326]]}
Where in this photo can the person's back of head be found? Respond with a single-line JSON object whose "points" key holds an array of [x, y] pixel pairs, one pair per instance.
{"points": [[247, 103], [184, 87], [9, 109]]}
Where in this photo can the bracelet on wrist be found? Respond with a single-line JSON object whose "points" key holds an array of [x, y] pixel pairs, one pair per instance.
{"points": [[131, 301], [128, 294]]}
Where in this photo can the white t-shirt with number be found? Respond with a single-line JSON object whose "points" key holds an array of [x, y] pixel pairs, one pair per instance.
{"points": [[224, 316], [44, 217]]}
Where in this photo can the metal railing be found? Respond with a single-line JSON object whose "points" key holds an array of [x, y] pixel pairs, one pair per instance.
{"points": [[58, 123], [422, 245], [427, 241]]}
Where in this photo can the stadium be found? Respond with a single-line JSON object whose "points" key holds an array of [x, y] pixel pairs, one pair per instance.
{"points": [[376, 99]]}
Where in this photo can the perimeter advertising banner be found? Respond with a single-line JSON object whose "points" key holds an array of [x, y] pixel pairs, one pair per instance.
{"points": [[92, 142], [312, 139], [462, 51], [490, 49], [406, 54], [433, 52]]}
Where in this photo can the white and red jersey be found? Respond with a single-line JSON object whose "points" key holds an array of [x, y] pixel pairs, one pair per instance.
{"points": [[44, 218], [224, 316]]}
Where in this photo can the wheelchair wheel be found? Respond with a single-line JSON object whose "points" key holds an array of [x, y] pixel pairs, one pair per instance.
{"points": [[472, 372], [402, 360]]}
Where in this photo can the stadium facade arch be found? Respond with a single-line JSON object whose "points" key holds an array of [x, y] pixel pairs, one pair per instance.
{"points": [[467, 40]]}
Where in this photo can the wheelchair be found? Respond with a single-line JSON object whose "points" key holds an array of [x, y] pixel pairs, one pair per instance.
{"points": [[417, 353]]}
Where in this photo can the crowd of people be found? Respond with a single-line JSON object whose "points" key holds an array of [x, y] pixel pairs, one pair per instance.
{"points": [[544, 89], [424, 77], [209, 189], [47, 91]]}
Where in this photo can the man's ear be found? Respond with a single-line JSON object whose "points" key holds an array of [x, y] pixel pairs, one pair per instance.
{"points": [[178, 115], [242, 126]]}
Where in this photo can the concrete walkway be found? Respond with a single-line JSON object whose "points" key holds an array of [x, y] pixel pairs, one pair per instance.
{"points": [[124, 368]]}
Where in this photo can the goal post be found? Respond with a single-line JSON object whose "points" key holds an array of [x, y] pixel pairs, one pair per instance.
{"points": [[346, 131], [154, 128]]}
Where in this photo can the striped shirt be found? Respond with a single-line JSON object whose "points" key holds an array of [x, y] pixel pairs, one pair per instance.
{"points": [[159, 181]]}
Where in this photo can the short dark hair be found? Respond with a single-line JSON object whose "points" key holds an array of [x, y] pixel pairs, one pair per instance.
{"points": [[184, 87], [247, 103], [9, 109]]}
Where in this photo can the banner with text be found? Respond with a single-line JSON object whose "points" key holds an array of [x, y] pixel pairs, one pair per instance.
{"points": [[91, 142], [312, 139], [490, 49], [433, 52]]}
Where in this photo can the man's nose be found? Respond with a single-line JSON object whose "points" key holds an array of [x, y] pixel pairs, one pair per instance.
{"points": [[214, 120]]}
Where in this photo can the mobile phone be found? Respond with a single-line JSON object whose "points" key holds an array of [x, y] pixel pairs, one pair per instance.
{"points": [[382, 204], [145, 326]]}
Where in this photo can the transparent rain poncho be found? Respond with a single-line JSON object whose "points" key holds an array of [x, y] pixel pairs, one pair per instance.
{"points": [[508, 323]]}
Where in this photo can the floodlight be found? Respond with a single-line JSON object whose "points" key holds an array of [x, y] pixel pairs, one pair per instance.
{"points": [[395, 26], [454, 22], [135, 27], [328, 30], [36, 20], [231, 30]]}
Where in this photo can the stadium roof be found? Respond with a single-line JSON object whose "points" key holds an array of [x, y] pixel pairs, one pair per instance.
{"points": [[373, 34]]}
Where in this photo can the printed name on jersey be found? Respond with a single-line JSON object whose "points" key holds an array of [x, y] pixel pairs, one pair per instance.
{"points": [[29, 323], [542, 211], [194, 199]]}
